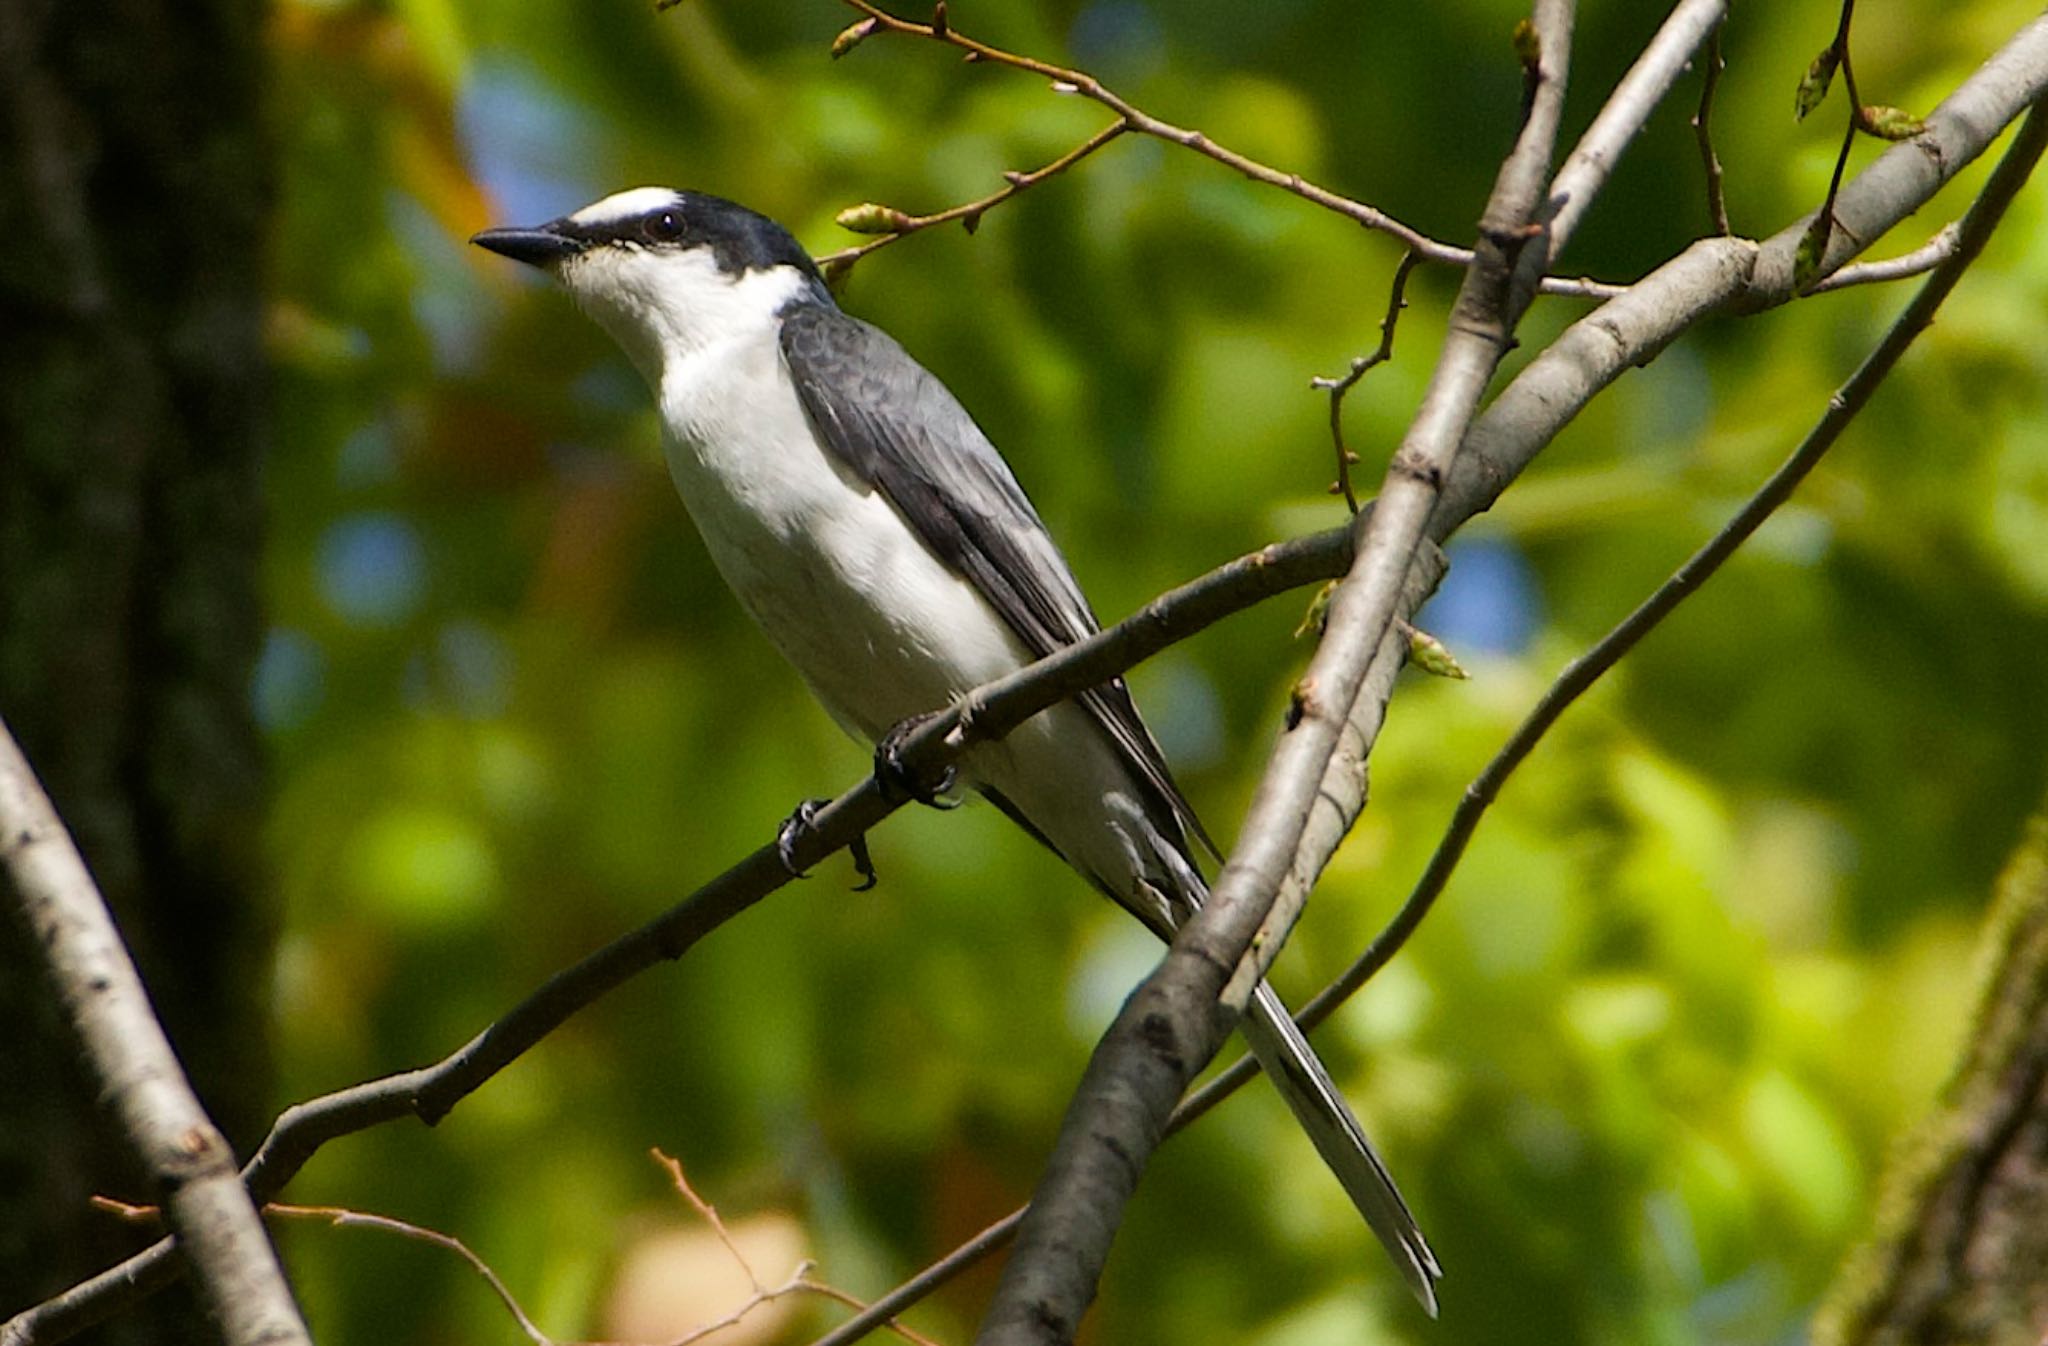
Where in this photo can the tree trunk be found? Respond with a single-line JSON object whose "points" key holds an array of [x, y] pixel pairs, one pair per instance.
{"points": [[1961, 1248], [134, 189]]}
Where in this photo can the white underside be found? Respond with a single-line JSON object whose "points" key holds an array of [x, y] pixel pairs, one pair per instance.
{"points": [[874, 623]]}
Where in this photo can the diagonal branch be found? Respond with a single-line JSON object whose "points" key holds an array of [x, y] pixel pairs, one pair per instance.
{"points": [[125, 1050], [1579, 676], [1713, 274], [1174, 1023], [1717, 275], [1621, 119], [431, 1092]]}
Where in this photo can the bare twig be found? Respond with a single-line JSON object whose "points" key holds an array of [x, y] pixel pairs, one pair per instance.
{"points": [[1702, 129], [799, 1280], [838, 264], [707, 1212], [124, 1049], [1722, 275], [343, 1218], [1622, 117], [1342, 384], [1920, 260], [1580, 675], [1136, 119]]}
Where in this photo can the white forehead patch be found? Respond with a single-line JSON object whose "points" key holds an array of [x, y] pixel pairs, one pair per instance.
{"points": [[627, 205]]}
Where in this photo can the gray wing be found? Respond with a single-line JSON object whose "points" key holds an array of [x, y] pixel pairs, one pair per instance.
{"points": [[902, 431]]}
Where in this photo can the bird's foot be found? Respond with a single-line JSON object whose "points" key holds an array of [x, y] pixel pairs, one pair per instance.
{"points": [[898, 780], [792, 830]]}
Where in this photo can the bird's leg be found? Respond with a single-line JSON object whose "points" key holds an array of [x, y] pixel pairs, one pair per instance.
{"points": [[792, 830], [898, 780]]}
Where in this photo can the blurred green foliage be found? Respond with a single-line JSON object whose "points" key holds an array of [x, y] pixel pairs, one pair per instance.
{"points": [[1710, 951]]}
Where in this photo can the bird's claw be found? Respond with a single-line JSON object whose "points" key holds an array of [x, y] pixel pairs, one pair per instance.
{"points": [[863, 864], [797, 823], [899, 781], [792, 830]]}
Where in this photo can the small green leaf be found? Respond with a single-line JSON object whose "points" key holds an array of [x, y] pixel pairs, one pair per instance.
{"points": [[1318, 611], [1819, 76], [869, 218], [1528, 46], [1806, 261], [1889, 123], [852, 37], [1432, 656]]}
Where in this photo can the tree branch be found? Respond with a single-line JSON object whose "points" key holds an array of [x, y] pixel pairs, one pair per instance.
{"points": [[1173, 1024], [1628, 108], [1540, 402], [137, 1071], [1717, 275], [1579, 676], [431, 1092], [1703, 134], [1341, 385]]}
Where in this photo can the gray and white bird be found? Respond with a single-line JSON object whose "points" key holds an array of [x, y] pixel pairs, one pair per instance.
{"points": [[882, 544]]}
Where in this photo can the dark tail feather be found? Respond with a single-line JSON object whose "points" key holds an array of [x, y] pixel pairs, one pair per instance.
{"points": [[1312, 1096]]}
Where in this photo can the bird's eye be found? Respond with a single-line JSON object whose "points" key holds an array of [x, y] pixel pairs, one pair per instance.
{"points": [[665, 227]]}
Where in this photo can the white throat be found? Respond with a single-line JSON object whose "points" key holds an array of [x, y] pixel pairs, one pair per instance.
{"points": [[665, 307]]}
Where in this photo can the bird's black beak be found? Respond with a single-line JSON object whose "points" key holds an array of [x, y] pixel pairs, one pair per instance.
{"points": [[536, 247]]}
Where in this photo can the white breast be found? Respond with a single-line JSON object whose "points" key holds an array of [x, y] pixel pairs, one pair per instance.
{"points": [[821, 560]]}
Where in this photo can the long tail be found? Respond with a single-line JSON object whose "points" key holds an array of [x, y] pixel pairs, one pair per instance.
{"points": [[1312, 1096], [1163, 897], [1299, 1074]]}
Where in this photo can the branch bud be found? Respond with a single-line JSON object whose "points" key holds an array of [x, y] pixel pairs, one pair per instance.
{"points": [[1432, 656], [852, 36], [869, 218]]}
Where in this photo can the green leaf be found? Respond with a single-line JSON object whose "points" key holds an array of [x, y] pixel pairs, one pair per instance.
{"points": [[1318, 611], [1819, 76], [1889, 123], [1432, 656]]}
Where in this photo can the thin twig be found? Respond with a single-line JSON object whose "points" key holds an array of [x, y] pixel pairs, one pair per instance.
{"points": [[1821, 231], [1342, 384], [706, 1212], [838, 264], [1580, 675], [1702, 129], [800, 1281], [1133, 118], [1622, 116], [1920, 260]]}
